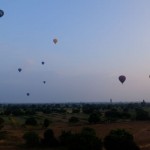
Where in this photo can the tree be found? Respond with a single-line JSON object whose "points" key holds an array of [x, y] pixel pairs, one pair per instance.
{"points": [[73, 119], [2, 133], [86, 140], [142, 114], [90, 108], [17, 112], [119, 140], [112, 115], [65, 138], [31, 121], [75, 110], [94, 118], [49, 139], [31, 139], [46, 123], [1, 123]]}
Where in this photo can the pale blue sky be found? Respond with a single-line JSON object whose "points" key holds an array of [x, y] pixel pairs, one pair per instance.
{"points": [[98, 40]]}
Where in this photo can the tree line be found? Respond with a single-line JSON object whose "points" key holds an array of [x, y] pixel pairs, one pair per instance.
{"points": [[97, 112], [86, 139]]}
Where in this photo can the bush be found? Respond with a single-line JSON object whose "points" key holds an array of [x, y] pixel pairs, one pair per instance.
{"points": [[1, 123], [49, 139], [31, 121], [3, 134], [94, 118], [142, 114], [76, 110], [86, 140], [31, 139], [119, 140], [46, 123], [73, 119], [65, 138], [112, 115]]}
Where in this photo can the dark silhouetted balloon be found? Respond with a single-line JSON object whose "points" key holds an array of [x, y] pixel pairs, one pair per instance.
{"points": [[44, 82], [43, 62], [122, 78], [28, 94], [1, 13], [19, 69], [55, 40]]}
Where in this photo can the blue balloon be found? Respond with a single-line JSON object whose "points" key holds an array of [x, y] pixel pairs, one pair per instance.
{"points": [[1, 13], [19, 69], [28, 94]]}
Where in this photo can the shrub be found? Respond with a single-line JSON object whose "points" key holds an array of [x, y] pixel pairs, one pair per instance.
{"points": [[1, 123], [76, 110], [65, 138], [94, 118], [142, 114], [31, 139], [112, 115], [31, 121], [73, 119], [86, 140], [46, 123], [49, 139], [3, 135], [119, 140]]}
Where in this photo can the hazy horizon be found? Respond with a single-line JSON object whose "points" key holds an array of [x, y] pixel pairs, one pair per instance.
{"points": [[97, 42]]}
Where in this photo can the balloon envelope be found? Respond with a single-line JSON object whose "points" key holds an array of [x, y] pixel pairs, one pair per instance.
{"points": [[19, 69], [122, 78], [43, 62], [44, 82], [1, 13], [28, 94], [55, 40]]}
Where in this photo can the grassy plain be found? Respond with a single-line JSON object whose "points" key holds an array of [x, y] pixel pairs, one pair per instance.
{"points": [[14, 129]]}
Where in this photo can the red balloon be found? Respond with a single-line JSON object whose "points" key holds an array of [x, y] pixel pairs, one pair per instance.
{"points": [[122, 78]]}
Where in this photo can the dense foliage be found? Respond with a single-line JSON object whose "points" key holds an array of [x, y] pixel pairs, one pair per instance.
{"points": [[120, 140], [31, 139]]}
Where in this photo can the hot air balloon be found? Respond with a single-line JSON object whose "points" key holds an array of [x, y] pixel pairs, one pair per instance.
{"points": [[122, 78], [19, 69], [28, 94], [1, 13], [43, 62], [55, 40], [44, 82]]}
